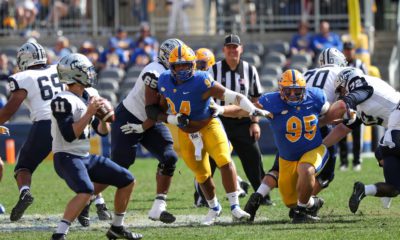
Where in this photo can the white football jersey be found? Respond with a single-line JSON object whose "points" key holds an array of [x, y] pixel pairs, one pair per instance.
{"points": [[324, 78], [41, 86], [135, 102], [64, 106], [376, 109]]}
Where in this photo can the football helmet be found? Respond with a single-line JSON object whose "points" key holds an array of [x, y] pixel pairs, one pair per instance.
{"points": [[344, 77], [77, 68], [182, 55], [165, 49], [292, 87], [332, 56], [204, 59], [31, 54]]}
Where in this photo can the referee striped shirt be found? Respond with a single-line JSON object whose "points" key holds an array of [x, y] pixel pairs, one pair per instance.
{"points": [[244, 79]]}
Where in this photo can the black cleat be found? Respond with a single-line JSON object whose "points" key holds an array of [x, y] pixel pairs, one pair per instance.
{"points": [[245, 186], [122, 233], [167, 217], [318, 203], [83, 217], [301, 215], [291, 213], [267, 201], [102, 212], [253, 204], [356, 197], [58, 236], [199, 201], [24, 201]]}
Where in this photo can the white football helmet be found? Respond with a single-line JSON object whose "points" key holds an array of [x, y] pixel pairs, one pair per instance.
{"points": [[346, 75], [77, 68], [31, 54], [332, 56], [165, 49]]}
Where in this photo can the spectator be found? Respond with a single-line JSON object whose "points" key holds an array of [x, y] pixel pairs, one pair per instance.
{"points": [[26, 12], [113, 57], [61, 48], [178, 16], [143, 33], [122, 42], [143, 54], [140, 10], [325, 39], [350, 53], [6, 68], [88, 49], [70, 10], [301, 41]]}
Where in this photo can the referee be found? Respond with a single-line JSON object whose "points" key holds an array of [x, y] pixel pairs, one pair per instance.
{"points": [[349, 52], [239, 76]]}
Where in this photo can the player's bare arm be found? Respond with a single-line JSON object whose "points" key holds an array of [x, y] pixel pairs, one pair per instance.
{"points": [[16, 99], [333, 113], [339, 132]]}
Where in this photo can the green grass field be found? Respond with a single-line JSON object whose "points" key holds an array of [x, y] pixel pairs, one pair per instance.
{"points": [[51, 195]]}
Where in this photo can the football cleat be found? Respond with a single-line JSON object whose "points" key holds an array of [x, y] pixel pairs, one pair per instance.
{"points": [[199, 200], [267, 201], [318, 203], [356, 197], [212, 215], [159, 212], [24, 201], [239, 215], [83, 217], [102, 212], [253, 204], [245, 187], [122, 233], [301, 215], [58, 236]]}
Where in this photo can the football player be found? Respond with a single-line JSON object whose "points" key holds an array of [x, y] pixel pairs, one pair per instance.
{"points": [[36, 83], [72, 116], [297, 111], [376, 103], [133, 127], [187, 94], [331, 62]]}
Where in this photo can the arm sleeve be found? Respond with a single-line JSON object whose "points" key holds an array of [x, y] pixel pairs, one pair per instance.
{"points": [[62, 112], [255, 87], [358, 96]]}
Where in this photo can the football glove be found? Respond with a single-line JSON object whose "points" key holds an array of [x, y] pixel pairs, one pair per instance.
{"points": [[350, 116], [216, 109], [261, 113], [4, 130], [129, 128], [387, 139], [180, 119]]}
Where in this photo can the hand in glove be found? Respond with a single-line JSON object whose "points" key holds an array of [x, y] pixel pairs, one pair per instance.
{"points": [[129, 128]]}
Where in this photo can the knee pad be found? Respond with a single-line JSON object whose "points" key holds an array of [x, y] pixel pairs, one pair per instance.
{"points": [[166, 169]]}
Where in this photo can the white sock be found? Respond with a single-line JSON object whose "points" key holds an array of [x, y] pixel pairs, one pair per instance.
{"points": [[213, 203], [233, 198], [309, 204], [23, 188], [118, 219], [370, 190], [161, 196], [63, 226], [263, 189], [99, 200]]}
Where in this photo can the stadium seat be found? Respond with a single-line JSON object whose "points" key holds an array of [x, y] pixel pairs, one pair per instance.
{"points": [[4, 88], [271, 70], [115, 73], [301, 59], [254, 47], [133, 72], [251, 58], [21, 119], [127, 84], [299, 67], [10, 51], [123, 93], [108, 84], [279, 46], [269, 83], [274, 59], [110, 96]]}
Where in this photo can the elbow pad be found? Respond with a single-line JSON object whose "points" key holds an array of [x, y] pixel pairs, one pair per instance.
{"points": [[153, 111]]}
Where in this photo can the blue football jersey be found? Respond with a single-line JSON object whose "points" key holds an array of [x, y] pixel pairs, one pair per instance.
{"points": [[295, 128], [186, 98]]}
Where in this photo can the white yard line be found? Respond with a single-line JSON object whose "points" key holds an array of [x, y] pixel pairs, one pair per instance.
{"points": [[38, 222]]}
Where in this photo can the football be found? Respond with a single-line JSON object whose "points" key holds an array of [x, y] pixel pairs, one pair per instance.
{"points": [[106, 112]]}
